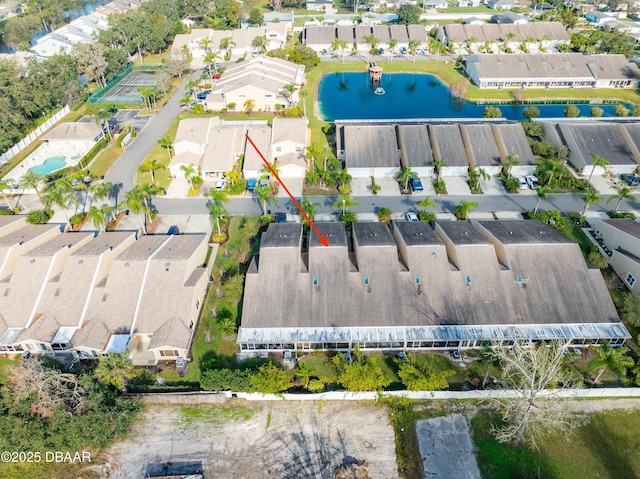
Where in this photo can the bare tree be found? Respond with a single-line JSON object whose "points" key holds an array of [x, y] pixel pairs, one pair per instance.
{"points": [[51, 388], [536, 376]]}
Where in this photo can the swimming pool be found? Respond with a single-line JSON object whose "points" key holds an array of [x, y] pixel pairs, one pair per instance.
{"points": [[50, 165], [351, 95]]}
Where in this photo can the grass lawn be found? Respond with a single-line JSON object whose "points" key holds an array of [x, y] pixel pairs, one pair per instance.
{"points": [[604, 448], [576, 234], [241, 229], [162, 175], [105, 159]]}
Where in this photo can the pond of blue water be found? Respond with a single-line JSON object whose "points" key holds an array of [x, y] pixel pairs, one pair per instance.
{"points": [[351, 96]]}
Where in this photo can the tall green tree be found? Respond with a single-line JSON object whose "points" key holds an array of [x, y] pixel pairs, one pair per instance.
{"points": [[270, 379], [34, 181], [264, 197], [114, 370], [166, 143], [406, 174], [623, 192], [150, 165], [589, 198], [464, 208], [543, 191], [309, 208], [595, 162]]}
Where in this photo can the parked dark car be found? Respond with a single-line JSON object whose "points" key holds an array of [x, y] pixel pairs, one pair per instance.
{"points": [[280, 217], [251, 184], [173, 230], [416, 184], [630, 180]]}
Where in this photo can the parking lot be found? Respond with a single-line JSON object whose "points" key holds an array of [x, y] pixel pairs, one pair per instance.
{"points": [[129, 116]]}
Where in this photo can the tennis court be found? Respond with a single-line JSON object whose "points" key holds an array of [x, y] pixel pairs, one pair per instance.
{"points": [[126, 90]]}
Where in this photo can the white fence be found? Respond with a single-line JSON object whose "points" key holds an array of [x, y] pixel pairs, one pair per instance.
{"points": [[31, 137]]}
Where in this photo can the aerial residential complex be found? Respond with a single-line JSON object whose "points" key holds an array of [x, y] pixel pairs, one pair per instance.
{"points": [[457, 286], [380, 148], [562, 70], [90, 295]]}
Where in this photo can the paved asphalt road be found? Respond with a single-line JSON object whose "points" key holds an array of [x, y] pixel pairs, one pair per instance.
{"points": [[122, 173], [371, 204]]}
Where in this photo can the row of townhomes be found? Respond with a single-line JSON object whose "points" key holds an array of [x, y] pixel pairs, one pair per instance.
{"points": [[237, 43], [215, 147], [562, 70], [89, 295], [321, 38], [379, 149], [457, 286], [539, 37], [261, 79], [81, 30]]}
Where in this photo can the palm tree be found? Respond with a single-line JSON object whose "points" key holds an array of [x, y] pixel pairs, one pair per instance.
{"points": [[61, 195], [309, 208], [543, 191], [589, 198], [189, 172], [373, 42], [150, 165], [165, 142], [264, 197], [32, 180], [464, 208], [510, 162], [217, 196], [249, 106], [343, 178], [101, 191], [287, 92], [211, 59], [216, 211], [340, 45], [413, 46], [344, 203], [114, 370], [266, 173], [393, 43], [597, 161], [205, 43], [406, 174], [438, 165], [426, 203], [303, 95], [227, 45], [99, 216], [260, 42], [326, 152], [313, 153], [623, 192], [186, 100], [137, 200]]}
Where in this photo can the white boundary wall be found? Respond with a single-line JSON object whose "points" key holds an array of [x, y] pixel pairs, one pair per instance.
{"points": [[209, 397], [31, 137]]}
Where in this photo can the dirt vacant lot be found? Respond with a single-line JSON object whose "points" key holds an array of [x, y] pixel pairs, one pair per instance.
{"points": [[260, 440]]}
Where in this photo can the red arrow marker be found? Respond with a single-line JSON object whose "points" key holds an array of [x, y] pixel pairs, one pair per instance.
{"points": [[323, 239]]}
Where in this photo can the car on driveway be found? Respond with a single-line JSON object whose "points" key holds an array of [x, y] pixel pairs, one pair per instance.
{"points": [[416, 184], [280, 217], [411, 216], [251, 184], [220, 184], [523, 182], [630, 180], [532, 182], [403, 50], [216, 76], [173, 230]]}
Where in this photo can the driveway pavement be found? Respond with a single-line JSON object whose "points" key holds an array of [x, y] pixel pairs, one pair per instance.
{"points": [[123, 172]]}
